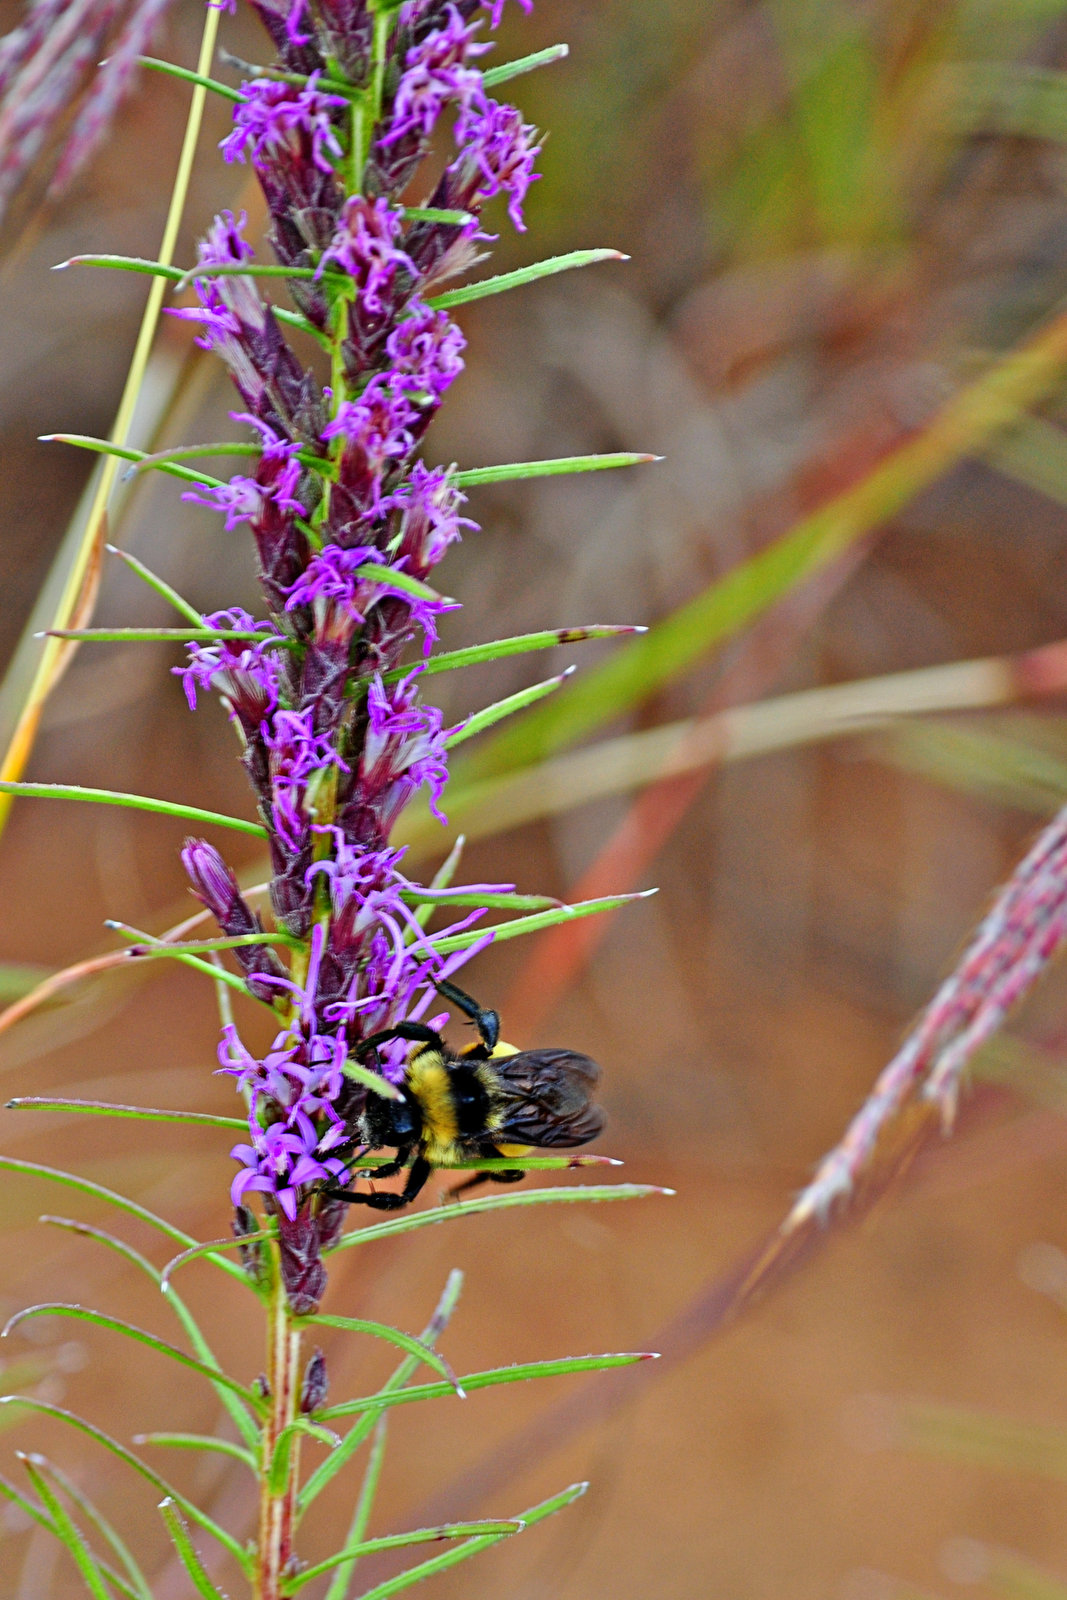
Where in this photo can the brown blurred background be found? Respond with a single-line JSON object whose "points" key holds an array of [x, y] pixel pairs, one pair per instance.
{"points": [[838, 214]]}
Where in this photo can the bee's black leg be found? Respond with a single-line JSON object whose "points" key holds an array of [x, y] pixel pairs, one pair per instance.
{"points": [[420, 1171], [486, 1022], [417, 1032]]}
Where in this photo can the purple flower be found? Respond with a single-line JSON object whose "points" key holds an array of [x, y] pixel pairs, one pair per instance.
{"points": [[364, 245], [404, 745], [498, 154], [297, 754], [242, 499], [435, 74], [428, 502], [374, 431], [284, 1159], [245, 672], [497, 8], [425, 349], [279, 124]]}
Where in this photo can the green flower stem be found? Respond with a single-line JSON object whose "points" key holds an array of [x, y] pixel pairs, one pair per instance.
{"points": [[277, 1503]]}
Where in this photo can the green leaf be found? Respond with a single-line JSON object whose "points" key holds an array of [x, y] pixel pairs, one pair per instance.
{"points": [[246, 269], [523, 275], [436, 214], [514, 470], [131, 1207], [371, 1080], [400, 1541], [381, 1330], [207, 1249], [451, 1558], [364, 1505], [444, 943], [473, 654], [161, 588], [498, 1202], [514, 69], [278, 1472], [505, 708], [136, 936], [369, 1423], [161, 635], [200, 1441], [243, 1422], [520, 1373], [396, 579], [492, 900], [239, 941], [212, 84], [136, 802], [154, 269], [193, 1511], [110, 1535], [105, 447], [67, 1530], [102, 1108], [187, 1554], [99, 1319]]}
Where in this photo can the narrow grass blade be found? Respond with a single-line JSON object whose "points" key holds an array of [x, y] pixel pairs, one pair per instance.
{"points": [[186, 1552], [505, 708], [140, 264], [498, 1202], [436, 214], [512, 471], [239, 941], [244, 1423], [397, 579], [205, 1442], [381, 1330], [401, 1541], [490, 899], [523, 275], [520, 644], [136, 802], [161, 635], [102, 1108], [444, 943], [210, 968], [246, 269], [369, 1423], [522, 1372], [67, 1531], [161, 587], [515, 69], [211, 84], [173, 469], [357, 1528], [99, 1319], [451, 1558], [46, 1409], [103, 1526]]}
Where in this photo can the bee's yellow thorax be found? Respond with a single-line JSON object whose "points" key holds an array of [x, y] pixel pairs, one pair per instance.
{"points": [[428, 1081]]}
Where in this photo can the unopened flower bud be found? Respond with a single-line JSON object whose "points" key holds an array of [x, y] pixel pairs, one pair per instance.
{"points": [[314, 1388]]}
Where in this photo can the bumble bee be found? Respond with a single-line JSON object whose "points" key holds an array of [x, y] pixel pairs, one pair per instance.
{"points": [[486, 1101]]}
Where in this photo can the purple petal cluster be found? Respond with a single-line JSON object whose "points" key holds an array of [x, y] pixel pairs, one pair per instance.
{"points": [[348, 524]]}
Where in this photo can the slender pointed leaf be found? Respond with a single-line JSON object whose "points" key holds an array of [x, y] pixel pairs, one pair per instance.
{"points": [[193, 1511], [132, 1208], [401, 1541], [367, 1424], [371, 1080], [103, 1526], [505, 708], [512, 471], [523, 275], [522, 1372], [279, 1470], [397, 579], [361, 1515], [515, 69], [211, 968], [68, 1532], [243, 1422], [444, 943], [206, 1249], [206, 1442], [520, 644], [463, 1552], [154, 64], [492, 901], [137, 802], [436, 214], [142, 264], [498, 1202], [381, 1330], [100, 1319], [186, 1551], [165, 635], [102, 1108], [161, 587], [104, 447]]}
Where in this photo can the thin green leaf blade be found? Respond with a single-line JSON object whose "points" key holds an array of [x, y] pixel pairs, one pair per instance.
{"points": [[154, 64], [357, 1528], [104, 1108], [206, 1442], [513, 471], [106, 1530], [518, 279], [444, 943], [515, 69], [520, 644], [158, 584], [402, 1541], [187, 1553], [394, 1336], [67, 1531], [521, 1372], [136, 802], [480, 720]]}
